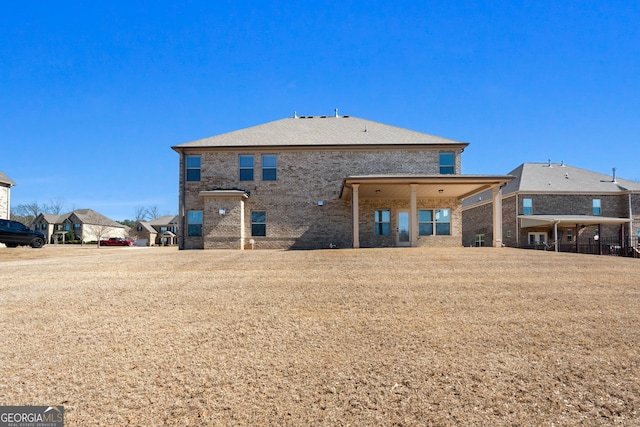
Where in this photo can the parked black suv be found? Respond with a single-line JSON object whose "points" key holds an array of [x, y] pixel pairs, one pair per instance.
{"points": [[14, 233]]}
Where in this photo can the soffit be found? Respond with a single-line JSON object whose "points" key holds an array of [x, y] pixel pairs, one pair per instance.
{"points": [[568, 220], [427, 186]]}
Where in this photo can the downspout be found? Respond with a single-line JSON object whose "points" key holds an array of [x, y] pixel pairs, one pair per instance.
{"points": [[517, 224], [181, 200]]}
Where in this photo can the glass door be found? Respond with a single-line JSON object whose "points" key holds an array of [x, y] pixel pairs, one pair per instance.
{"points": [[403, 229]]}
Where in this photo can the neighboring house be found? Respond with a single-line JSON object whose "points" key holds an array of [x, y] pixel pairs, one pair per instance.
{"points": [[559, 207], [86, 225], [5, 196], [322, 182], [159, 231]]}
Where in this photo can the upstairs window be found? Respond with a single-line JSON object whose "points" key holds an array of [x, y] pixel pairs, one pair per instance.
{"points": [[447, 163], [597, 207], [269, 167], [246, 168], [383, 222], [527, 207], [193, 168], [258, 223]]}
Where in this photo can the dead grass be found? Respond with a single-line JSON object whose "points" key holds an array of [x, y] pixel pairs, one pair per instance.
{"points": [[156, 336]]}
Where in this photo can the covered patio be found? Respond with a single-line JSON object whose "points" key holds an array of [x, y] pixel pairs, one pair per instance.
{"points": [[594, 245], [415, 187]]}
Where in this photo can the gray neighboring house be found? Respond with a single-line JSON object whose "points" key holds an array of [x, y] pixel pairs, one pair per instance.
{"points": [[86, 224], [559, 207], [313, 182], [5, 196], [159, 231]]}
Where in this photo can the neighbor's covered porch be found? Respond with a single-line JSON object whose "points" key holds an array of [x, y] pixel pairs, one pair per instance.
{"points": [[595, 243], [357, 189]]}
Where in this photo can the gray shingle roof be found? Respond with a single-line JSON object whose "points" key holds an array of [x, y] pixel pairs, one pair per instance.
{"points": [[320, 131], [164, 220], [89, 216], [4, 179], [560, 178]]}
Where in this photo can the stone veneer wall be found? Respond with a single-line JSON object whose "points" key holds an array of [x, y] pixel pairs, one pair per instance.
{"points": [[305, 177], [4, 202]]}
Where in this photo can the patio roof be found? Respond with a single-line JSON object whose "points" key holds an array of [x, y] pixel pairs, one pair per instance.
{"points": [[568, 220], [429, 186]]}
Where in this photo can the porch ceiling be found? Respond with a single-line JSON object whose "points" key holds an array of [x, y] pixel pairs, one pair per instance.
{"points": [[568, 220], [428, 186]]}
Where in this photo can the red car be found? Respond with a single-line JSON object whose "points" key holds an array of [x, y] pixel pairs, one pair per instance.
{"points": [[116, 241]]}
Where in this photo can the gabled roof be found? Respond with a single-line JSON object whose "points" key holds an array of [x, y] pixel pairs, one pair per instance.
{"points": [[89, 216], [146, 226], [85, 216], [561, 178], [5, 180], [325, 131], [163, 220], [557, 178]]}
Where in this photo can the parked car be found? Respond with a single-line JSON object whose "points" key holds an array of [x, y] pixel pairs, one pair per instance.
{"points": [[14, 233], [116, 241]]}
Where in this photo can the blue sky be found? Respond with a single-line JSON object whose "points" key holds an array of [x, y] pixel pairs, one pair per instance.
{"points": [[94, 94]]}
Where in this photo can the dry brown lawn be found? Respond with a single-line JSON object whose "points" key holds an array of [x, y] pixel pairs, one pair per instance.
{"points": [[157, 336]]}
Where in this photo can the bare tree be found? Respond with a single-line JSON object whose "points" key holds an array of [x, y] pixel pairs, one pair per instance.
{"points": [[26, 212], [140, 214], [153, 212], [97, 230], [55, 207]]}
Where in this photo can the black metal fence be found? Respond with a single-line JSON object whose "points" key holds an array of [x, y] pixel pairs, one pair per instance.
{"points": [[630, 247]]}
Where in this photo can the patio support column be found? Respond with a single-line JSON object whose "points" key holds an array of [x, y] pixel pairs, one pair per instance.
{"points": [[413, 237], [555, 235], [355, 214], [600, 239], [577, 236], [497, 215]]}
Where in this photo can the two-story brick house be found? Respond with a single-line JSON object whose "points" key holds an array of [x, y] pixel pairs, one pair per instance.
{"points": [[321, 182], [158, 231], [84, 224], [559, 207]]}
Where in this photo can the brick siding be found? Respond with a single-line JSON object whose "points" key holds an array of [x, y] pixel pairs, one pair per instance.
{"points": [[305, 177]]}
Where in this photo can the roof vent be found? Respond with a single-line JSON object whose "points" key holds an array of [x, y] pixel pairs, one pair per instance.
{"points": [[295, 115], [335, 111], [614, 174], [323, 117], [549, 164], [562, 163]]}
